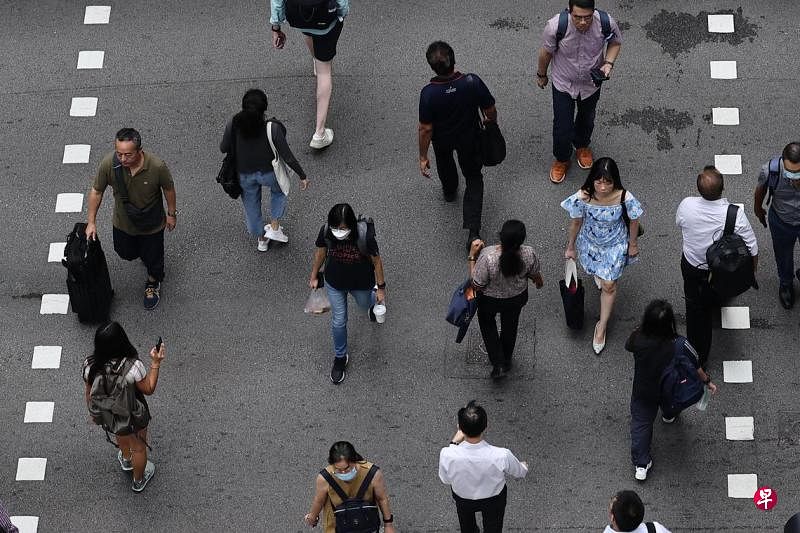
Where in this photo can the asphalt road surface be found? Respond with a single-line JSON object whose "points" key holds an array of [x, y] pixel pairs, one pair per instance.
{"points": [[244, 412]]}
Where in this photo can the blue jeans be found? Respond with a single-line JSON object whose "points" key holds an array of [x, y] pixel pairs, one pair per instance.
{"points": [[571, 129], [251, 199], [783, 238], [338, 299]]}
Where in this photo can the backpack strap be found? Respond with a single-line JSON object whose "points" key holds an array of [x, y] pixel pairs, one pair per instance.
{"points": [[730, 219], [334, 485], [773, 175], [362, 490], [119, 180], [651, 527], [605, 25], [563, 23]]}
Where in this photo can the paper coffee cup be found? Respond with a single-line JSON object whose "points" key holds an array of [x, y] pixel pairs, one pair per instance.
{"points": [[380, 313]]}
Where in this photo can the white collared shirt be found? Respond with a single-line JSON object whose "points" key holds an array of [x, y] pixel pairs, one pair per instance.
{"points": [[641, 529], [702, 222], [477, 471]]}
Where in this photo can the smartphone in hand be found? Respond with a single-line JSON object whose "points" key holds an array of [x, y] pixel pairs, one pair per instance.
{"points": [[158, 344]]}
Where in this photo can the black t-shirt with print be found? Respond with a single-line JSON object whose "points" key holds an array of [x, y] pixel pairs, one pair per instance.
{"points": [[346, 267]]}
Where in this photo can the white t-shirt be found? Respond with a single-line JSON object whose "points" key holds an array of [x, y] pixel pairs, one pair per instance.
{"points": [[641, 529], [134, 375]]}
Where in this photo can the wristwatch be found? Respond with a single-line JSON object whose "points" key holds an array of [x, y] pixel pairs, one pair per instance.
{"points": [[173, 215], [276, 27], [389, 520], [541, 75], [381, 285], [708, 380]]}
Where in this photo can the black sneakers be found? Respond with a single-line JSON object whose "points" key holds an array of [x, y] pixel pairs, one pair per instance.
{"points": [[338, 370], [152, 294]]}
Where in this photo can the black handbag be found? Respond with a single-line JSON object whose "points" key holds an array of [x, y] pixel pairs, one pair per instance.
{"points": [[572, 294], [228, 175], [492, 143], [145, 219]]}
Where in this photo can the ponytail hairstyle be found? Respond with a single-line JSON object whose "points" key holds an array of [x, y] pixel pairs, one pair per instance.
{"points": [[343, 450], [512, 235], [250, 120]]}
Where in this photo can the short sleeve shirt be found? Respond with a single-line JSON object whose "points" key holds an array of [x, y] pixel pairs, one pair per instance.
{"points": [[346, 267], [785, 199], [487, 275], [144, 189], [451, 104], [134, 375]]}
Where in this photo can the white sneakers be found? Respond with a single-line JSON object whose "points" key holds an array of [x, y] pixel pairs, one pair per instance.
{"points": [[275, 234], [641, 471], [263, 246], [325, 140]]}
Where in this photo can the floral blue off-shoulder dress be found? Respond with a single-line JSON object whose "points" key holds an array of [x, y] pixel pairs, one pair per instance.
{"points": [[602, 243]]}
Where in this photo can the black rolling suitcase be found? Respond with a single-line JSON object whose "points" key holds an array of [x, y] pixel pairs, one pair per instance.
{"points": [[88, 282]]}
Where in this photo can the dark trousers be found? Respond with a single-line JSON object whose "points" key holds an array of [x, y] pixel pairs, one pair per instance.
{"points": [[783, 238], [500, 347], [571, 129], [700, 303], [469, 159], [643, 413], [492, 511], [150, 248]]}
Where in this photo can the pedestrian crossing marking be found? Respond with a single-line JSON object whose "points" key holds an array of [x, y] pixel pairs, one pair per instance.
{"points": [[728, 163], [54, 304], [725, 116], [90, 59], [735, 318], [739, 427], [31, 468], [720, 23], [38, 412], [69, 202], [76, 153], [26, 524], [46, 357], [97, 14], [742, 485], [83, 106], [737, 371], [723, 70]]}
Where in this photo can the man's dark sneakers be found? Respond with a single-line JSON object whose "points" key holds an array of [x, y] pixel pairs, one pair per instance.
{"points": [[152, 294], [786, 296], [450, 196], [372, 317], [497, 372], [338, 370]]}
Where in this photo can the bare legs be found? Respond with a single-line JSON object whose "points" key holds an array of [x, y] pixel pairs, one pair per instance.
{"points": [[608, 293], [134, 449], [324, 73]]}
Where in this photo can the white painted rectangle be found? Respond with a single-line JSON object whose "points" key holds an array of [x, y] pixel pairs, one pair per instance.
{"points": [[31, 468], [56, 252], [739, 427], [46, 357], [76, 153], [723, 70], [728, 163], [83, 106], [69, 202], [97, 14], [737, 371], [54, 304], [735, 317], [720, 23], [725, 116], [742, 485], [39, 412], [90, 59], [26, 524]]}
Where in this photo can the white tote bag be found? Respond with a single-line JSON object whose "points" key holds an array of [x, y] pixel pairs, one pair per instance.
{"points": [[283, 173]]}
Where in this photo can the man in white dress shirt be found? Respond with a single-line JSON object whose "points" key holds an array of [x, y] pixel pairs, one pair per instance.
{"points": [[702, 219], [625, 514], [476, 472]]}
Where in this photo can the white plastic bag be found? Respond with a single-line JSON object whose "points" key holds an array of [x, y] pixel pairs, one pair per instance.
{"points": [[702, 404], [317, 302]]}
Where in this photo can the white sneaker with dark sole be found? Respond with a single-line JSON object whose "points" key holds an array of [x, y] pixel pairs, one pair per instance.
{"points": [[641, 471], [125, 464], [149, 472], [319, 143]]}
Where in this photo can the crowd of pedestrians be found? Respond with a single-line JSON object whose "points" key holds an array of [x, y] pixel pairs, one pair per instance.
{"points": [[579, 48]]}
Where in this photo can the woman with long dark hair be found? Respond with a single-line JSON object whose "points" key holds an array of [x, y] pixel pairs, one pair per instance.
{"points": [[348, 470], [114, 355], [501, 274], [603, 235], [246, 134], [353, 266], [653, 345]]}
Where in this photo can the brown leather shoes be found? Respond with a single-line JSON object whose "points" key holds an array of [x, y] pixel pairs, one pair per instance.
{"points": [[558, 171], [584, 157]]}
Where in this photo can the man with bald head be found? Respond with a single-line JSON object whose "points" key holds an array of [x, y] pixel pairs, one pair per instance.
{"points": [[702, 219]]}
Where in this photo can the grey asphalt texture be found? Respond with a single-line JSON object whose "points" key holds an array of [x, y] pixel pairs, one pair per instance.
{"points": [[244, 412]]}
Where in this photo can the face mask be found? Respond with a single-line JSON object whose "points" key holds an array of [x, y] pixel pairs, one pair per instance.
{"points": [[791, 175], [351, 475], [340, 234]]}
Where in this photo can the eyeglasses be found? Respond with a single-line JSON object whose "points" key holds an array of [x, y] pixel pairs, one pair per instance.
{"points": [[585, 18]]}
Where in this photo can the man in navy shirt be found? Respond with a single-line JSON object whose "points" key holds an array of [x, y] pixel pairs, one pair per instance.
{"points": [[449, 117]]}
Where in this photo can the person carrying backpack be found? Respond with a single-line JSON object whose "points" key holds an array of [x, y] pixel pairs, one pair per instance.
{"points": [[626, 515], [779, 183], [351, 491], [116, 383], [321, 22], [702, 221], [347, 247], [656, 345]]}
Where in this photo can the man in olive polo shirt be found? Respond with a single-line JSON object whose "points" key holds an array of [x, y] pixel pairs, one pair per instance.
{"points": [[139, 223]]}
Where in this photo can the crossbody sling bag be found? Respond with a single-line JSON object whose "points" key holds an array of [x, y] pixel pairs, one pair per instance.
{"points": [[145, 219]]}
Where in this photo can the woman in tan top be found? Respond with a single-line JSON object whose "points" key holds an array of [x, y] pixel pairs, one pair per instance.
{"points": [[501, 274], [348, 471]]}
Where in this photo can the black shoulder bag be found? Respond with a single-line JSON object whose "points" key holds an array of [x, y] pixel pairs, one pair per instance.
{"points": [[626, 218], [145, 219], [228, 175]]}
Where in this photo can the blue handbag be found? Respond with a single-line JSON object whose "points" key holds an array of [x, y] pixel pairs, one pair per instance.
{"points": [[463, 306]]}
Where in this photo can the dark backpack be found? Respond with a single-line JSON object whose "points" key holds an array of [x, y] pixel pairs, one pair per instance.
{"points": [[773, 176], [730, 265], [563, 23], [680, 384], [114, 404], [355, 515], [311, 14], [365, 229]]}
